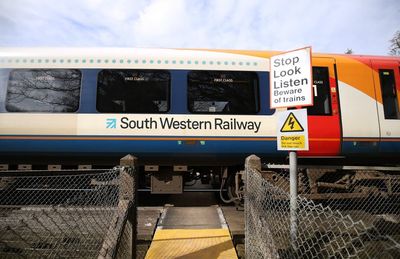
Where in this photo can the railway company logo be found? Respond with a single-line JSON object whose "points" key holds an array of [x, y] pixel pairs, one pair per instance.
{"points": [[111, 123], [144, 123]]}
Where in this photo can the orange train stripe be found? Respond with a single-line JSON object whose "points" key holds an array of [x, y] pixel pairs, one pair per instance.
{"points": [[371, 139], [183, 138], [128, 138], [361, 139], [391, 140], [154, 138]]}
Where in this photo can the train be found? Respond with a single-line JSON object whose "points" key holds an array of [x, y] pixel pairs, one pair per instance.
{"points": [[188, 111]]}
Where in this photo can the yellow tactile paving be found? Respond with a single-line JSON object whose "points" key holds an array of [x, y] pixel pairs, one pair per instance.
{"points": [[191, 243]]}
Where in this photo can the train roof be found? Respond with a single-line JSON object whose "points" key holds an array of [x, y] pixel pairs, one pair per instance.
{"points": [[214, 59], [101, 51], [131, 57]]}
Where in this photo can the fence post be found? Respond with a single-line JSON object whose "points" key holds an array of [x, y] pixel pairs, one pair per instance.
{"points": [[252, 163], [129, 191]]}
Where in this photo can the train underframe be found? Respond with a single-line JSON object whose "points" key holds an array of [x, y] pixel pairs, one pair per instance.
{"points": [[346, 182], [315, 181], [320, 183]]}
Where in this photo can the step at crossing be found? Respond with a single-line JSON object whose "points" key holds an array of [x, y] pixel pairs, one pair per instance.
{"points": [[192, 232]]}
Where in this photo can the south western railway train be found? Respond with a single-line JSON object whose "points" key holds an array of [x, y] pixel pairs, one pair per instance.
{"points": [[188, 112]]}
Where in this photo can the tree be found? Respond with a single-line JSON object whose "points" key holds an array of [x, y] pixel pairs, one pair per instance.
{"points": [[395, 45], [349, 51]]}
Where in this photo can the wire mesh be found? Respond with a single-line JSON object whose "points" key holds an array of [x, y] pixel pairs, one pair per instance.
{"points": [[333, 226], [65, 214]]}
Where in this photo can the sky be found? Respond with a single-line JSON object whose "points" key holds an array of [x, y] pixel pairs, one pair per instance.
{"points": [[331, 26]]}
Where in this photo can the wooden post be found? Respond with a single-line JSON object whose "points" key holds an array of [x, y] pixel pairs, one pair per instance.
{"points": [[126, 213], [129, 192], [253, 162]]}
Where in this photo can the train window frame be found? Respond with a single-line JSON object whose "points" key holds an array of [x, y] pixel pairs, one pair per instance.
{"points": [[77, 98], [387, 103], [218, 106], [326, 87], [167, 93]]}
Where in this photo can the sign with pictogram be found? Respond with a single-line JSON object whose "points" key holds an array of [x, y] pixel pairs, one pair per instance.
{"points": [[292, 124], [292, 130]]}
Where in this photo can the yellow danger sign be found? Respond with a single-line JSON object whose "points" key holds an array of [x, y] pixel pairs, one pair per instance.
{"points": [[294, 141], [292, 124], [292, 130]]}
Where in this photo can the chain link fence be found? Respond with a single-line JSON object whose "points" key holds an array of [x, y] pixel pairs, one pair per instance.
{"points": [[68, 214], [352, 214]]}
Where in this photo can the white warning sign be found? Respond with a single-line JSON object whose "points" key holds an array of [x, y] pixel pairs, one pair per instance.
{"points": [[291, 79], [292, 130]]}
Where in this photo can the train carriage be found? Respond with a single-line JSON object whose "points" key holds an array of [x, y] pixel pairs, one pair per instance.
{"points": [[201, 108]]}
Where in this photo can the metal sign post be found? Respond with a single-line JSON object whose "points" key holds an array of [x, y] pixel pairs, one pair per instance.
{"points": [[293, 197], [291, 86]]}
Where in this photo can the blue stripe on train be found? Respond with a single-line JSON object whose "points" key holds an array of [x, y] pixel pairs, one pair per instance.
{"points": [[359, 147], [370, 147], [166, 147], [389, 147]]}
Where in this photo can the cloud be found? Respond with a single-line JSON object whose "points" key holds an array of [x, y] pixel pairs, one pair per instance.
{"points": [[366, 26]]}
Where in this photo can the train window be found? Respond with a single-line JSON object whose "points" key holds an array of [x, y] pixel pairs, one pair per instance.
{"points": [[43, 90], [389, 95], [321, 87], [133, 91], [223, 92]]}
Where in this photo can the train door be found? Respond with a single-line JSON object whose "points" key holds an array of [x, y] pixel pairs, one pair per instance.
{"points": [[323, 117], [387, 87]]}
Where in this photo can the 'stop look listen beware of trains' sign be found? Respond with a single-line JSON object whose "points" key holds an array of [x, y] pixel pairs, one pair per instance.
{"points": [[291, 79]]}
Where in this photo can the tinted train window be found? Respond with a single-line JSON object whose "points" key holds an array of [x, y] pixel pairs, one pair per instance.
{"points": [[223, 92], [322, 97], [43, 90], [133, 91], [389, 95]]}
